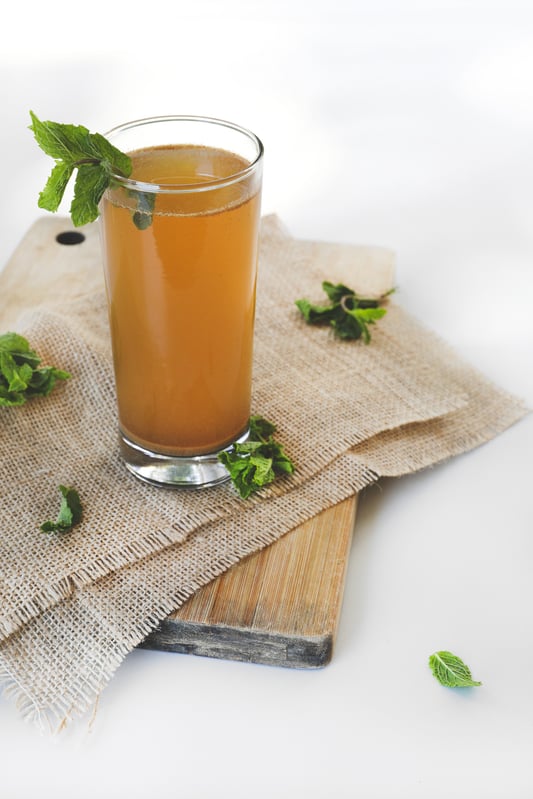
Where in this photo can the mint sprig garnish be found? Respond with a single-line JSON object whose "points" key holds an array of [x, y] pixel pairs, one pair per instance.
{"points": [[347, 313], [94, 158], [258, 461], [70, 512], [450, 670], [21, 376]]}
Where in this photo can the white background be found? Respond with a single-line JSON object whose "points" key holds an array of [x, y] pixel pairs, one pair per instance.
{"points": [[403, 124]]}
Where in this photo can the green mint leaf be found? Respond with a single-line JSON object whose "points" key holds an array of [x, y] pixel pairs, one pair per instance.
{"points": [[96, 160], [141, 220], [364, 317], [304, 306], [19, 348], [43, 381], [369, 315], [142, 217], [249, 447], [335, 292], [14, 343], [9, 399], [348, 314], [318, 314], [347, 327], [258, 461], [261, 429], [450, 670], [91, 182], [60, 141], [21, 376], [17, 377], [70, 512], [52, 194], [111, 158]]}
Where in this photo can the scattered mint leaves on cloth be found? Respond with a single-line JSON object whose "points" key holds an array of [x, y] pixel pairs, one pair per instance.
{"points": [[258, 461], [450, 670], [96, 160], [21, 377], [70, 512], [348, 314]]}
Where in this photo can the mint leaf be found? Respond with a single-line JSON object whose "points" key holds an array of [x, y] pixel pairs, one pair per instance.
{"points": [[74, 148], [335, 292], [14, 343], [261, 429], [19, 347], [117, 161], [62, 142], [70, 512], [450, 670], [91, 182], [258, 461], [43, 381], [142, 217], [21, 376], [319, 314], [16, 376], [363, 317], [52, 194], [348, 314], [9, 399]]}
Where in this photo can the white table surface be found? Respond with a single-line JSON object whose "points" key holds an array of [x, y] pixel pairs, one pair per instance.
{"points": [[405, 124]]}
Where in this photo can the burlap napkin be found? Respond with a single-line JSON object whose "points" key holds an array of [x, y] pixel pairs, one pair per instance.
{"points": [[74, 606]]}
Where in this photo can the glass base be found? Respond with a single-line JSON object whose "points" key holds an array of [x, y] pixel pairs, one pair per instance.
{"points": [[173, 471]]}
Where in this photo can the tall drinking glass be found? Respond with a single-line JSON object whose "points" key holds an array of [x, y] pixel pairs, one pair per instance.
{"points": [[180, 241]]}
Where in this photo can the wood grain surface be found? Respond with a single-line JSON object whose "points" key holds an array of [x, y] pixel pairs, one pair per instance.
{"points": [[280, 606]]}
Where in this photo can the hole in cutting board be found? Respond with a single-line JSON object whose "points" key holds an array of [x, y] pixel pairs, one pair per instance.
{"points": [[70, 237]]}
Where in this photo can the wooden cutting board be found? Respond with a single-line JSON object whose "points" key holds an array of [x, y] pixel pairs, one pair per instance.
{"points": [[280, 606]]}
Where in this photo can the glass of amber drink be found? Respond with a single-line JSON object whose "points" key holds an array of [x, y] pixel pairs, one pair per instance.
{"points": [[180, 241]]}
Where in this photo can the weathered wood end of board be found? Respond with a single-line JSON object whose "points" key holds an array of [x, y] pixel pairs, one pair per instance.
{"points": [[278, 607]]}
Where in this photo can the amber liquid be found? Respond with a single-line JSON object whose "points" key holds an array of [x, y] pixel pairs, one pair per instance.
{"points": [[181, 297]]}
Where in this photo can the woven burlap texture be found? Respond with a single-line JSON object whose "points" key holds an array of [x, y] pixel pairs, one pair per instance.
{"points": [[73, 606]]}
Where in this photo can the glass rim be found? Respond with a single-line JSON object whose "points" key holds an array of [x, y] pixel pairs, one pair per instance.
{"points": [[180, 188]]}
